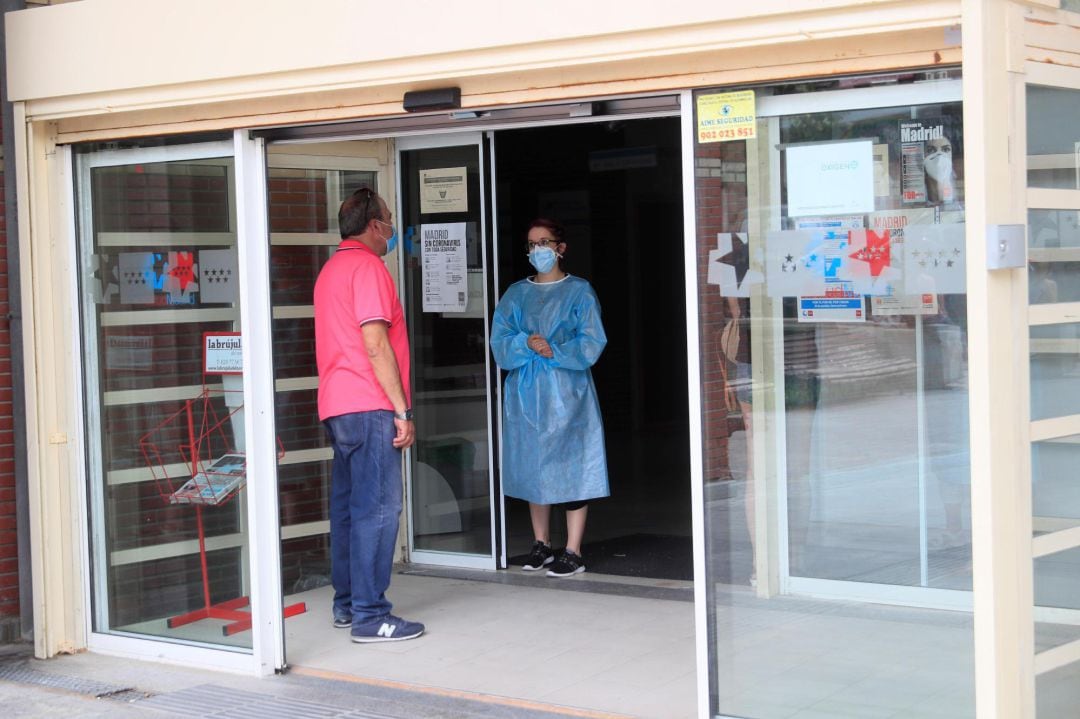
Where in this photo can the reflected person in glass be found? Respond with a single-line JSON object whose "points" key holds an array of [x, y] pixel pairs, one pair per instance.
{"points": [[547, 334]]}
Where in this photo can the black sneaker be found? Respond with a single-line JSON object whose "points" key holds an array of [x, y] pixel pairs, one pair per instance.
{"points": [[567, 565], [387, 629], [342, 621], [540, 556]]}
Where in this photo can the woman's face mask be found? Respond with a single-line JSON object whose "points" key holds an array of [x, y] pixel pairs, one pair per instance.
{"points": [[940, 165], [543, 259]]}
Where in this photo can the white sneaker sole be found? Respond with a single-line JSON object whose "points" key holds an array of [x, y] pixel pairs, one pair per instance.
{"points": [[531, 568], [376, 640], [579, 570]]}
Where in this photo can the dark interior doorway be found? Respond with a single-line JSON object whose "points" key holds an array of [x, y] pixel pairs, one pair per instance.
{"points": [[617, 187]]}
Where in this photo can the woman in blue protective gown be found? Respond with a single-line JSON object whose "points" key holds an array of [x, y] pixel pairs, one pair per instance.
{"points": [[547, 334]]}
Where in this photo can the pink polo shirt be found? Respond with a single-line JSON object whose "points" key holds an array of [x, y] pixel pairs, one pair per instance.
{"points": [[354, 287]]}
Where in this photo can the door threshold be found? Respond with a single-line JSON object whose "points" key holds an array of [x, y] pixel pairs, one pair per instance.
{"points": [[636, 587]]}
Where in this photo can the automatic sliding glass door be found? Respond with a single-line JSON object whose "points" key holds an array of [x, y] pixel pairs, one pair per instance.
{"points": [[442, 216]]}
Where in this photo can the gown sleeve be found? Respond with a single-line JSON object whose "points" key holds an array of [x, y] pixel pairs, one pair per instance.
{"points": [[583, 348], [509, 343]]}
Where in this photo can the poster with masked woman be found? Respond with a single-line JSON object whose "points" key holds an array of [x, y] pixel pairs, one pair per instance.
{"points": [[928, 172]]}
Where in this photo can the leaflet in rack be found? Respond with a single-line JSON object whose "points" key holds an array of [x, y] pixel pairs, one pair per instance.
{"points": [[214, 484]]}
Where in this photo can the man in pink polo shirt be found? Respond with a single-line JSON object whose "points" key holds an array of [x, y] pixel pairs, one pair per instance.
{"points": [[362, 350]]}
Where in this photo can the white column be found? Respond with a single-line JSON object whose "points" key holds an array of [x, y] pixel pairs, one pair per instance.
{"points": [[994, 174]]}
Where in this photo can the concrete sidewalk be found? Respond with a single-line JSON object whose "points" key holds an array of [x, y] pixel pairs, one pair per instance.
{"points": [[92, 685]]}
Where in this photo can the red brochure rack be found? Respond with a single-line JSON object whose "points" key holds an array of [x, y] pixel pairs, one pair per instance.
{"points": [[214, 472]]}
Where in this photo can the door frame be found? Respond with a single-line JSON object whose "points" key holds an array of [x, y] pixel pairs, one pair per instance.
{"points": [[262, 558], [495, 527]]}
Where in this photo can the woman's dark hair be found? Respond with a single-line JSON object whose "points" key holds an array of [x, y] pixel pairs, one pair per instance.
{"points": [[358, 209], [557, 231], [555, 228]]}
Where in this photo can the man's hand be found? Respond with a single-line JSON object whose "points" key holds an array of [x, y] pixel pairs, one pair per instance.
{"points": [[406, 433], [540, 346]]}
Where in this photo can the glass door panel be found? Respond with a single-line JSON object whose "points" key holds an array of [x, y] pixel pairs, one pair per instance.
{"points": [[877, 471], [168, 519], [1053, 142], [442, 219], [834, 397], [304, 194]]}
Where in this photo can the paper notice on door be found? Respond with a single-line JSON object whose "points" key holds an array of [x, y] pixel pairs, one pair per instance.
{"points": [[886, 305], [444, 267], [444, 190]]}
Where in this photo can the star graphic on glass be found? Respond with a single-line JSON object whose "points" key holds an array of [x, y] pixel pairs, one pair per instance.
{"points": [[739, 258], [875, 254]]}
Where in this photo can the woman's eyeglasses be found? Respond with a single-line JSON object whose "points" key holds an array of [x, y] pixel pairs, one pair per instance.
{"points": [[530, 245]]}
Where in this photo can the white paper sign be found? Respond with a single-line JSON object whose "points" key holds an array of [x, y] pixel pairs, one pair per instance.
{"points": [[444, 190], [885, 305], [444, 266], [832, 309], [222, 353], [828, 179], [129, 352]]}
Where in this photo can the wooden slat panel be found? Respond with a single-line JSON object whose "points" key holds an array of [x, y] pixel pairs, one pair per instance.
{"points": [[1040, 198], [167, 317], [1059, 313], [165, 239], [173, 549], [1057, 657], [1055, 542], [1044, 429], [316, 239]]}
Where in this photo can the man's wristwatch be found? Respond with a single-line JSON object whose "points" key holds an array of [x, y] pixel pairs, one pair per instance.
{"points": [[406, 415]]}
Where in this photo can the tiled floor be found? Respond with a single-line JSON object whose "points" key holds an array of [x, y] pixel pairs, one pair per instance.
{"points": [[595, 651], [782, 658]]}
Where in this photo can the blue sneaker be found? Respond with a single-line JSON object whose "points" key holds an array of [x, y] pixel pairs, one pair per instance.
{"points": [[387, 629], [342, 621]]}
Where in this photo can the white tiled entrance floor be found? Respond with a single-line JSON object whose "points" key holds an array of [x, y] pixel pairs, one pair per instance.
{"points": [[780, 658], [616, 654]]}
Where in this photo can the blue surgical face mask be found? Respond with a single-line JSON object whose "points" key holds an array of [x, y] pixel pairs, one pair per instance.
{"points": [[391, 241], [543, 259]]}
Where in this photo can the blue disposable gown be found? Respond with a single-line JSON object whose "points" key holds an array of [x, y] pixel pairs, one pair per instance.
{"points": [[553, 435]]}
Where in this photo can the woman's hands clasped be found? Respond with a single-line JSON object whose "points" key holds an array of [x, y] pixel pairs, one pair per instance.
{"points": [[540, 346]]}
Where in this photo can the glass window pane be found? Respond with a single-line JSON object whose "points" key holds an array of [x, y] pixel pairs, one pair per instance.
{"points": [[1053, 256], [1055, 364], [1055, 501], [835, 409], [303, 201], [1052, 137], [157, 248]]}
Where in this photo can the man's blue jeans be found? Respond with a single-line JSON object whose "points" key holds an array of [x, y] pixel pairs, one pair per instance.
{"points": [[365, 505]]}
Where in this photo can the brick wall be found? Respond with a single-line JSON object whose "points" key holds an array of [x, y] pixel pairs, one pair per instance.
{"points": [[720, 199], [9, 553]]}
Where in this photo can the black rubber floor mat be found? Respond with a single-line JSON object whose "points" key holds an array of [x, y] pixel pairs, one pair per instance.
{"points": [[656, 556]]}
